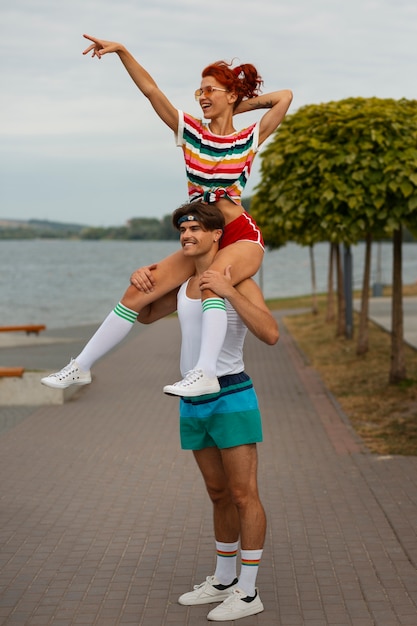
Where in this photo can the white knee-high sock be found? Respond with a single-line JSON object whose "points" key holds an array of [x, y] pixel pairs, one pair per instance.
{"points": [[115, 327], [249, 570], [213, 332], [226, 562]]}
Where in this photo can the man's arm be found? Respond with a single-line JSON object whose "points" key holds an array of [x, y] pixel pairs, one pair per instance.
{"points": [[165, 305], [247, 300]]}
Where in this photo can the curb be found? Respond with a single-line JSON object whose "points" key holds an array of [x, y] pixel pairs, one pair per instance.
{"points": [[28, 391]]}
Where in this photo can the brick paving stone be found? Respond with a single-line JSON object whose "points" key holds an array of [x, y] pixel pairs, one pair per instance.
{"points": [[105, 521]]}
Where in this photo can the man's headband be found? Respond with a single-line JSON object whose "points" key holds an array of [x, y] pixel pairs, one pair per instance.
{"points": [[193, 218], [187, 218]]}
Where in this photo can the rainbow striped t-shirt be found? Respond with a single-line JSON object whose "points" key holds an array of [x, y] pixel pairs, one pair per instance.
{"points": [[217, 166]]}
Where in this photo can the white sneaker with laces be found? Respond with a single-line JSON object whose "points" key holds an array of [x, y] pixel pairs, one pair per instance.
{"points": [[71, 374], [237, 605], [209, 591], [195, 383]]}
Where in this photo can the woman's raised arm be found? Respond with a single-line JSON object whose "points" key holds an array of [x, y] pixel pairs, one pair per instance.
{"points": [[277, 103], [142, 79]]}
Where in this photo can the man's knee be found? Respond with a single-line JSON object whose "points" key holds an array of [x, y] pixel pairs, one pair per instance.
{"points": [[244, 496], [219, 494]]}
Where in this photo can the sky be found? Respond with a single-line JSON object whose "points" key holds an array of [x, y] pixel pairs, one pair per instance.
{"points": [[80, 144]]}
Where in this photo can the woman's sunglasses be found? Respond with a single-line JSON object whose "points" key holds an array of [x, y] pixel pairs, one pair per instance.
{"points": [[206, 91]]}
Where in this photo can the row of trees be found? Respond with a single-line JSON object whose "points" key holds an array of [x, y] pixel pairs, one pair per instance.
{"points": [[139, 228], [344, 172]]}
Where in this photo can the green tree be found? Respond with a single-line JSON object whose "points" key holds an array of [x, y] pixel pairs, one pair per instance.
{"points": [[168, 232], [144, 228], [340, 172]]}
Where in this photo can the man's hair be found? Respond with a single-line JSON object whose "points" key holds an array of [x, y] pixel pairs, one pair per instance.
{"points": [[208, 215]]}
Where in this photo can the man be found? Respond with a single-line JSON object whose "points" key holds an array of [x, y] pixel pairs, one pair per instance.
{"points": [[223, 428]]}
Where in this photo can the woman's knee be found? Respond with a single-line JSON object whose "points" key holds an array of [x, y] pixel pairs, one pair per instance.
{"points": [[244, 260]]}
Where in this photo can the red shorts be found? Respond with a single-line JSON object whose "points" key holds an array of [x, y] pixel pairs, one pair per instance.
{"points": [[243, 228]]}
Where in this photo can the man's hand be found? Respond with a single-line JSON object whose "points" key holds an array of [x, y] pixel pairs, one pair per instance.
{"points": [[143, 278], [219, 283]]}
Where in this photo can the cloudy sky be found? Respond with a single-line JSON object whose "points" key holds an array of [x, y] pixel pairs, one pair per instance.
{"points": [[79, 143]]}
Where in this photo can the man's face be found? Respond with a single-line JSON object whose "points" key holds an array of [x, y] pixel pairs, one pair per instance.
{"points": [[195, 240]]}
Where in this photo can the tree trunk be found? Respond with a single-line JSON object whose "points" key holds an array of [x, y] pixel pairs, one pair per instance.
{"points": [[363, 332], [398, 369], [348, 289], [341, 305], [330, 286], [313, 281]]}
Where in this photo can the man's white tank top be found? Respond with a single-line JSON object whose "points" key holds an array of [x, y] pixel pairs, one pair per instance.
{"points": [[190, 315]]}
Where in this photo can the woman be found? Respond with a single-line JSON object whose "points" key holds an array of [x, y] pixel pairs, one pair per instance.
{"points": [[218, 162]]}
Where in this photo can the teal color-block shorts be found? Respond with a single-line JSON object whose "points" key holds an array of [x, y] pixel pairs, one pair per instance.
{"points": [[225, 419]]}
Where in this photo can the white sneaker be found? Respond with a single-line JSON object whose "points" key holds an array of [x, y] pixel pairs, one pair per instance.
{"points": [[71, 374], [209, 591], [195, 383], [237, 605]]}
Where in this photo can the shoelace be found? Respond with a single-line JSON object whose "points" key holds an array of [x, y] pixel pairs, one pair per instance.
{"points": [[209, 579], [65, 370], [190, 378]]}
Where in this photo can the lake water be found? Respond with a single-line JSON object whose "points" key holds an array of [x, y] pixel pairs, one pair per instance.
{"points": [[64, 283]]}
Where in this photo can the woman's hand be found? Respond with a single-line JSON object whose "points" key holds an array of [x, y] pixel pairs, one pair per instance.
{"points": [[100, 46], [143, 279]]}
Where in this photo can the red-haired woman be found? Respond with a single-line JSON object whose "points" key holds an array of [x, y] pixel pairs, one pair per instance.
{"points": [[218, 162]]}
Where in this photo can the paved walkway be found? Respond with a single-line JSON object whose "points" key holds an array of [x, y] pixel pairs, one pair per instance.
{"points": [[380, 312], [104, 520]]}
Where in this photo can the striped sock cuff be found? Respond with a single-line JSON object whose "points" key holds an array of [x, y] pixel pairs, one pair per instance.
{"points": [[125, 313], [226, 555], [251, 558], [251, 562], [214, 303]]}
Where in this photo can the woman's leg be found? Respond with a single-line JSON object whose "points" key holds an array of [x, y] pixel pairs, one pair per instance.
{"points": [[245, 259], [169, 273]]}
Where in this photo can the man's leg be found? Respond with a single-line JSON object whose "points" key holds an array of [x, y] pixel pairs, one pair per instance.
{"points": [[225, 514], [240, 466], [226, 531]]}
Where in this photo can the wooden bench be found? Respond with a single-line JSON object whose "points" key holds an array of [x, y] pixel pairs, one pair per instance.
{"points": [[27, 328], [11, 371]]}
